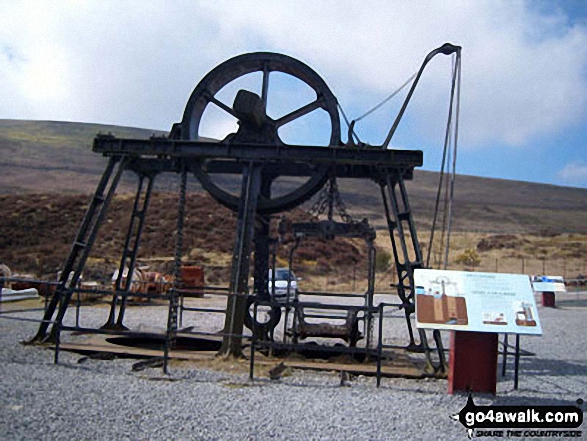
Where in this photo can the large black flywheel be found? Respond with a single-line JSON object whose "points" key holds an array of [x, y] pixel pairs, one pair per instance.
{"points": [[255, 127]]}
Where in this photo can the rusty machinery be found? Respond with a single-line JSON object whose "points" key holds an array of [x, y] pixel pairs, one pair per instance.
{"points": [[256, 155], [349, 329]]}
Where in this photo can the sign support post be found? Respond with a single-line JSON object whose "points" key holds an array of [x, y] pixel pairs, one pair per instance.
{"points": [[548, 299], [473, 362]]}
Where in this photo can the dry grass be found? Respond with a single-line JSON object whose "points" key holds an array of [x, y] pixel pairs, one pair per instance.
{"points": [[548, 221]]}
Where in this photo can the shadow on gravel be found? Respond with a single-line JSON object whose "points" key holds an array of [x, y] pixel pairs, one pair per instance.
{"points": [[546, 366], [521, 400], [571, 303]]}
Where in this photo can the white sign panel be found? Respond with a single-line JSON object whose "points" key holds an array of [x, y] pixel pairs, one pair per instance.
{"points": [[481, 302], [548, 284]]}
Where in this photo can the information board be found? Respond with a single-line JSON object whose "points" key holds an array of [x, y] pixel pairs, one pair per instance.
{"points": [[481, 302], [548, 284]]}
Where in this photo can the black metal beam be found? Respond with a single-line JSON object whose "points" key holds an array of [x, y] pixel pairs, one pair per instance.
{"points": [[147, 165], [162, 147]]}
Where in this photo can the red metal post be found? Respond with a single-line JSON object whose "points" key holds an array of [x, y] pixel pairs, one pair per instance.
{"points": [[548, 300], [473, 362]]}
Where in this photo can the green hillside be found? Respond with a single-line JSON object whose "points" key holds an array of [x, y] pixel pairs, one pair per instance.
{"points": [[50, 156]]}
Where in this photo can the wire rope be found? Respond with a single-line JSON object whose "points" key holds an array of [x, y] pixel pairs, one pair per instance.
{"points": [[390, 96], [449, 140], [454, 162], [350, 124]]}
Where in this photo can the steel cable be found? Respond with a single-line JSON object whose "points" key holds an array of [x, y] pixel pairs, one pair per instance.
{"points": [[455, 89], [454, 161], [394, 93], [374, 108]]}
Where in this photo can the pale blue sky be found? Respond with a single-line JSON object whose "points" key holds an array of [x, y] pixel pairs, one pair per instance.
{"points": [[135, 63]]}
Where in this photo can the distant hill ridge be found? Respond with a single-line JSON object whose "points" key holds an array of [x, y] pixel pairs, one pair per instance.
{"points": [[55, 156]]}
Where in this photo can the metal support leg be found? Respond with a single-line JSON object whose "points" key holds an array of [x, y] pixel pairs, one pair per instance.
{"points": [[81, 248], [181, 308], [380, 345], [129, 254], [237, 301], [272, 293], [370, 293], [430, 368], [408, 257], [294, 326], [517, 362], [1, 288], [504, 355], [440, 350], [253, 342], [261, 240], [404, 266], [57, 342]]}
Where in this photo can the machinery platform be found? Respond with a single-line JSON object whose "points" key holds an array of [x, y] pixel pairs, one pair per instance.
{"points": [[396, 364]]}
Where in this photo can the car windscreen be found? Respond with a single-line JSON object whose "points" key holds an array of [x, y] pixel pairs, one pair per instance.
{"points": [[282, 275]]}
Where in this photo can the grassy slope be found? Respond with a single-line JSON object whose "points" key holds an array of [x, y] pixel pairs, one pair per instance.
{"points": [[39, 156], [48, 156], [37, 231], [485, 205], [56, 157]]}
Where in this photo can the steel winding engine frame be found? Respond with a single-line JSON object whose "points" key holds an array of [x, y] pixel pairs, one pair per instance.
{"points": [[257, 154]]}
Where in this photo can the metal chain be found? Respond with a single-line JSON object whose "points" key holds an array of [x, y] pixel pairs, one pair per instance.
{"points": [[171, 335], [320, 204], [342, 211], [180, 224], [330, 198]]}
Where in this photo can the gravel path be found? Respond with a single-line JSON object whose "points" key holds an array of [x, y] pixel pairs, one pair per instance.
{"points": [[106, 400]]}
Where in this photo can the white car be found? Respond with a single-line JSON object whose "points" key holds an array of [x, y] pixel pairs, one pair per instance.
{"points": [[281, 281]]}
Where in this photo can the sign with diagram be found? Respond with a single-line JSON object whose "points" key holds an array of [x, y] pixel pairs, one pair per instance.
{"points": [[481, 302]]}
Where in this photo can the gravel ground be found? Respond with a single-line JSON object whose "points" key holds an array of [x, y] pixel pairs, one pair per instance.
{"points": [[106, 400]]}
